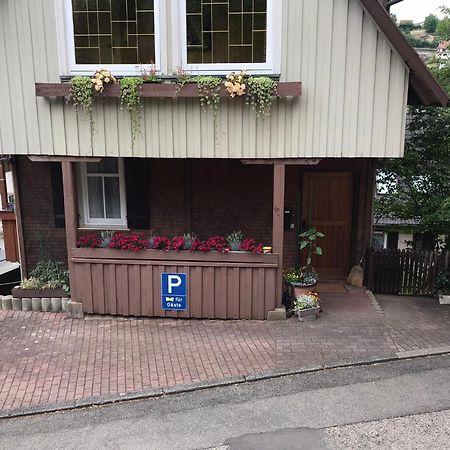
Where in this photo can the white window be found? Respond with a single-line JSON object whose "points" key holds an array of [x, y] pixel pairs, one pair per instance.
{"points": [[102, 194], [121, 35], [228, 35]]}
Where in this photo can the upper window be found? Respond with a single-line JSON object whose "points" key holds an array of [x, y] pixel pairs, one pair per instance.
{"points": [[119, 34], [103, 193], [228, 34]]}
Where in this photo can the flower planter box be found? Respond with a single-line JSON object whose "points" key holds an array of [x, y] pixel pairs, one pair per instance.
{"points": [[159, 90], [29, 293], [235, 285], [305, 315], [444, 299]]}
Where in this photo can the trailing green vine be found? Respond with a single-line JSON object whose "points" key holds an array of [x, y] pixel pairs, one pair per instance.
{"points": [[209, 91], [130, 97], [260, 92], [81, 95]]}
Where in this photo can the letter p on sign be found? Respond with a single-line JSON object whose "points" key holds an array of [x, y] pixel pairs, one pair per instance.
{"points": [[173, 282]]}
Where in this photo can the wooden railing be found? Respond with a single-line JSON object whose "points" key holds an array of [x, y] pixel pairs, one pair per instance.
{"points": [[406, 272], [235, 285]]}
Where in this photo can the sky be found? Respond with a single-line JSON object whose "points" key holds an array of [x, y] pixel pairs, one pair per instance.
{"points": [[417, 10]]}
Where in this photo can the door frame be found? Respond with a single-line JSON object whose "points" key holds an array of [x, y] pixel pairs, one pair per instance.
{"points": [[355, 205]]}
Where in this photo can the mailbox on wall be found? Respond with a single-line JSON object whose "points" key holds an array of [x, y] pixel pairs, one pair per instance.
{"points": [[288, 219]]}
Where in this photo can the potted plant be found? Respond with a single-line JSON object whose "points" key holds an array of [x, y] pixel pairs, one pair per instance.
{"points": [[442, 287], [48, 279], [235, 241], [189, 239], [307, 306], [106, 236], [298, 282]]}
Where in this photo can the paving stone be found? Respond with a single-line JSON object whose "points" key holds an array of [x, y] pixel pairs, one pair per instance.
{"points": [[105, 356]]}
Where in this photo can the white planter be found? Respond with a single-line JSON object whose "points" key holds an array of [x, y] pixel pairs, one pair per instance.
{"points": [[444, 299]]}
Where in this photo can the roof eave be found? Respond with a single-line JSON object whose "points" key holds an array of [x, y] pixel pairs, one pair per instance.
{"points": [[427, 90]]}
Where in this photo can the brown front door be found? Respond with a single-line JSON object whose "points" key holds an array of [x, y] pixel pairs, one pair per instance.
{"points": [[327, 206]]}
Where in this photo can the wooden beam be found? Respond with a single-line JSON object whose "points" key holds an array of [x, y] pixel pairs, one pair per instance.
{"points": [[70, 213], [285, 161], [158, 90], [45, 158], [279, 175], [188, 197], [18, 211], [3, 189]]}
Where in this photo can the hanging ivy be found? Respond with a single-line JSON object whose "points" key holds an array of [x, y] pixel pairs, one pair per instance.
{"points": [[260, 92], [81, 95], [209, 91], [130, 98]]}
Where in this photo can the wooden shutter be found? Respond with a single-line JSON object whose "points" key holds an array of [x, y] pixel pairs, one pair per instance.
{"points": [[137, 182], [58, 194]]}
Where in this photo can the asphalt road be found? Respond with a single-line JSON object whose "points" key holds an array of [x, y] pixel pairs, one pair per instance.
{"points": [[357, 407]]}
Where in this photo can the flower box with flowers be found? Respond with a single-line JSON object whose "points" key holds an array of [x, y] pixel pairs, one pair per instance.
{"points": [[139, 246]]}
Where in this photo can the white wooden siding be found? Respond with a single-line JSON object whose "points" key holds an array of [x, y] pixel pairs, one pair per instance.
{"points": [[353, 102]]}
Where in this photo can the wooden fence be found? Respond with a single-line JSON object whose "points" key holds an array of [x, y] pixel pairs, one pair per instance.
{"points": [[220, 286], [405, 272]]}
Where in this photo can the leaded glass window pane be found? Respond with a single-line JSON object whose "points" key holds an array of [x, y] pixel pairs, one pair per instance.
{"points": [[114, 31], [226, 31]]}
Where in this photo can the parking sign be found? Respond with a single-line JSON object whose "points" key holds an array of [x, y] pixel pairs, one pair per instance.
{"points": [[173, 291]]}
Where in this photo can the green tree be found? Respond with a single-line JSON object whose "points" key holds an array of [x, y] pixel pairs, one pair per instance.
{"points": [[431, 23], [443, 27], [441, 70], [418, 186]]}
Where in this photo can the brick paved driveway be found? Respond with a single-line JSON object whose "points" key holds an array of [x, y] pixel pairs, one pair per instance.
{"points": [[46, 358]]}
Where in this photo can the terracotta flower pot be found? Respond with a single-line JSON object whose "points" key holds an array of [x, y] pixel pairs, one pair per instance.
{"points": [[295, 291]]}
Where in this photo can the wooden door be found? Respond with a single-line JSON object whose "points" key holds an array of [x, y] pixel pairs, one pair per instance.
{"points": [[327, 203]]}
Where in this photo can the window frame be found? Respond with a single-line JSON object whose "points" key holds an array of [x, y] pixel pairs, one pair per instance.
{"points": [[68, 64], [86, 221], [272, 66]]}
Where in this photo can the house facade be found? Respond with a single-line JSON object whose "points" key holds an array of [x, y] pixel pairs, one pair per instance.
{"points": [[345, 74]]}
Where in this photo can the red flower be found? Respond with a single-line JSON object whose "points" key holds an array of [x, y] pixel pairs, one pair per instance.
{"points": [[160, 242], [250, 245], [176, 243], [217, 243], [90, 240], [132, 241]]}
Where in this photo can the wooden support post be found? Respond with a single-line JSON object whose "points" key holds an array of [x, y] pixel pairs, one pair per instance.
{"points": [[18, 211], [70, 212], [278, 225], [188, 197], [3, 189]]}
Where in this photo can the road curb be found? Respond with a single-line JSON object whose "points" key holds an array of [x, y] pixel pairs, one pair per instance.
{"points": [[204, 385]]}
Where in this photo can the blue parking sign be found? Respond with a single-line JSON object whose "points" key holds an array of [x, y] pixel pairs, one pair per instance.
{"points": [[173, 291]]}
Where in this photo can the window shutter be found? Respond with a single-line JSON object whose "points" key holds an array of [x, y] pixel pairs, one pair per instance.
{"points": [[137, 182], [58, 194]]}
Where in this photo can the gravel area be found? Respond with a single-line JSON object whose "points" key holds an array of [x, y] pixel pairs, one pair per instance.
{"points": [[424, 431]]}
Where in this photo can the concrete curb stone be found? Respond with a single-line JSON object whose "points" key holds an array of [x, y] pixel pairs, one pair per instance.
{"points": [[56, 304], [46, 304], [26, 304], [7, 303], [17, 304], [36, 304]]}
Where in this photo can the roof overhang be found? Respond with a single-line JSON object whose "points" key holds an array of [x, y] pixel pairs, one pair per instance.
{"points": [[424, 89]]}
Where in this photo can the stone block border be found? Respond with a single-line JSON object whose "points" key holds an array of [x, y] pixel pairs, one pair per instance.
{"points": [[46, 304]]}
